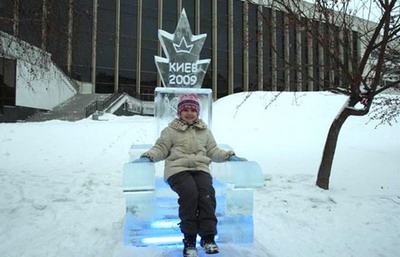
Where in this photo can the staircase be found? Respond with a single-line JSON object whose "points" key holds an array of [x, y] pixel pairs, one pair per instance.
{"points": [[71, 110]]}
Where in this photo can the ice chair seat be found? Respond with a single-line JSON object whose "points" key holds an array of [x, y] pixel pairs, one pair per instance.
{"points": [[152, 209]]}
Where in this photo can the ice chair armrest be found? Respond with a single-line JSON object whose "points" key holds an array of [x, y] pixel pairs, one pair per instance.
{"points": [[247, 174], [138, 176]]}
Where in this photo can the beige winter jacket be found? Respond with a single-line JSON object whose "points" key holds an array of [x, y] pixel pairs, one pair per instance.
{"points": [[186, 147]]}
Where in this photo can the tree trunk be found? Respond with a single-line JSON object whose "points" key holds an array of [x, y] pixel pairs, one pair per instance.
{"points": [[325, 167]]}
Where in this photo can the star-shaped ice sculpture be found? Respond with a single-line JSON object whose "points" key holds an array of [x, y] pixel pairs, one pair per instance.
{"points": [[181, 67]]}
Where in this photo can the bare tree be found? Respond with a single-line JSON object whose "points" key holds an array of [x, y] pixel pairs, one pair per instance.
{"points": [[57, 27], [386, 110], [335, 33]]}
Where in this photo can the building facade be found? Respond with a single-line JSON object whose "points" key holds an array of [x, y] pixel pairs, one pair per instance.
{"points": [[112, 44]]}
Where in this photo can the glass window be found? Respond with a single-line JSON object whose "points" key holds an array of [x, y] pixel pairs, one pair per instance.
{"points": [[238, 45], [105, 50], [57, 32], [267, 25], [148, 75], [189, 6], [150, 20], [292, 55], [82, 40], [127, 81], [81, 72], [205, 27], [315, 62], [104, 80], [304, 56], [346, 53], [7, 20], [337, 76], [105, 46], [170, 19], [127, 47], [106, 30], [7, 82], [327, 58], [253, 42], [280, 51], [355, 44], [30, 22], [222, 48]]}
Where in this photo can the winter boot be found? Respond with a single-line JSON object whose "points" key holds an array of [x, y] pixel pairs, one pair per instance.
{"points": [[209, 245], [189, 246]]}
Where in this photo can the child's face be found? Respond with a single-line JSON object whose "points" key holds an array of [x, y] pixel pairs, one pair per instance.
{"points": [[189, 115]]}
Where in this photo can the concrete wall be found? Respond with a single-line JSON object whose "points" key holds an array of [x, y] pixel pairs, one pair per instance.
{"points": [[42, 89], [39, 83]]}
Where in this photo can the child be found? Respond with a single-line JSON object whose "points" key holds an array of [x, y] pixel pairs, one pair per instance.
{"points": [[188, 148]]}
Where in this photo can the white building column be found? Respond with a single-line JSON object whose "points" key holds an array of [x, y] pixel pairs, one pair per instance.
{"points": [[70, 35], [231, 56], [321, 59], [260, 49], [299, 48], [159, 25], [16, 18], [214, 32], [246, 46], [274, 59], [94, 45], [139, 47], [286, 53], [44, 25], [116, 50], [310, 61]]}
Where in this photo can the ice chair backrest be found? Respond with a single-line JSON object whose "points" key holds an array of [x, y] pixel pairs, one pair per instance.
{"points": [[166, 101]]}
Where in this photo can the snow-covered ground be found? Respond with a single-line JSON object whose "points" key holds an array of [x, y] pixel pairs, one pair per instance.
{"points": [[61, 181]]}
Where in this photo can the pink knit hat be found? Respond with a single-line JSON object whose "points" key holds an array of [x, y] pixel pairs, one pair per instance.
{"points": [[190, 101]]}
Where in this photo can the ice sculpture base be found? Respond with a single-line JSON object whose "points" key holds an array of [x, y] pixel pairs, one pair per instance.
{"points": [[152, 216], [152, 210]]}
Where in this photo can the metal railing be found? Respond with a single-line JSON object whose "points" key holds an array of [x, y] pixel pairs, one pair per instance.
{"points": [[91, 108], [101, 105]]}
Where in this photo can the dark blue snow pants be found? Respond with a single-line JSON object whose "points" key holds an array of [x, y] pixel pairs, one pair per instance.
{"points": [[196, 202]]}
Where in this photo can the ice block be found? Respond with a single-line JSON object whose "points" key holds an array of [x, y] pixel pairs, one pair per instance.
{"points": [[242, 174], [181, 66], [239, 202], [235, 229], [138, 177], [140, 205]]}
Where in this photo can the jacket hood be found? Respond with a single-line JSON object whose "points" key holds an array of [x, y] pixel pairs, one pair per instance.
{"points": [[182, 125]]}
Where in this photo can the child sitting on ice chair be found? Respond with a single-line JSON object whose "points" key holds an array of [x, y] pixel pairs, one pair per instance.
{"points": [[188, 147]]}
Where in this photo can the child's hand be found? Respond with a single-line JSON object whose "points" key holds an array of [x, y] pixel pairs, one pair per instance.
{"points": [[234, 158], [142, 160]]}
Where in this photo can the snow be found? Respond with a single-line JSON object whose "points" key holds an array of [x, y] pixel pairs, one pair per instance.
{"points": [[61, 181]]}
